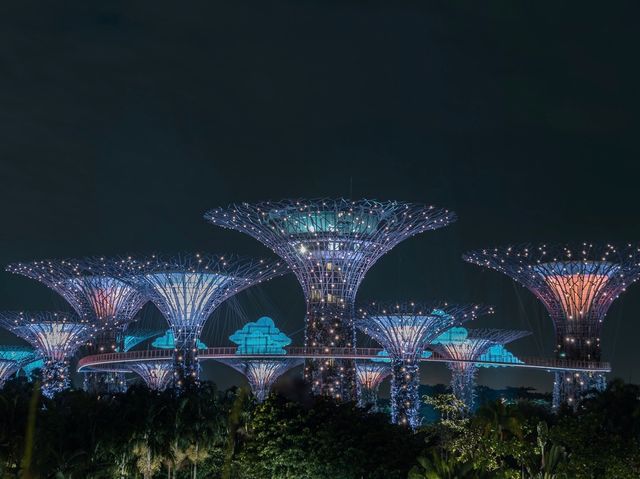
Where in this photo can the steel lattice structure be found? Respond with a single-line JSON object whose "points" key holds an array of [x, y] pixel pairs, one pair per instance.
{"points": [[187, 289], [56, 336], [157, 375], [262, 373], [330, 244], [21, 355], [370, 375], [467, 346], [577, 284], [91, 287], [404, 330]]}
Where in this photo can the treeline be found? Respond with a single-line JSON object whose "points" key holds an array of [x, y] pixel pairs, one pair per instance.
{"points": [[214, 434]]}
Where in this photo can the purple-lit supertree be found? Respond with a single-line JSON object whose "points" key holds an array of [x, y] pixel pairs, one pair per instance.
{"points": [[330, 244], [187, 289], [262, 373], [577, 285], [157, 375], [56, 336], [91, 287], [464, 347], [404, 330], [370, 375]]}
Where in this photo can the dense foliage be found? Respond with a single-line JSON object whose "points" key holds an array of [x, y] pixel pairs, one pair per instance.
{"points": [[207, 433]]}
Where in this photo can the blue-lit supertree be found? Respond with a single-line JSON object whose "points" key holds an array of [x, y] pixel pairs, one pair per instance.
{"points": [[157, 375], [21, 355], [577, 284], [91, 287], [404, 330], [330, 244], [257, 338], [56, 336], [8, 367], [187, 289], [466, 346], [370, 375]]}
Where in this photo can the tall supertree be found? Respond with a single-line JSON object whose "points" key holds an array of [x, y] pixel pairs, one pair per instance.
{"points": [[262, 373], [157, 375], [464, 347], [577, 284], [404, 330], [330, 244], [370, 375], [56, 336], [187, 289], [91, 287]]}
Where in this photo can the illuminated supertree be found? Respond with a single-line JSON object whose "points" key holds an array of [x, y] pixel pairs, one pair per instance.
{"points": [[404, 330], [330, 244], [20, 355], [56, 336], [187, 289], [465, 347], [577, 285], [370, 375], [262, 373], [91, 287], [8, 367], [157, 375]]}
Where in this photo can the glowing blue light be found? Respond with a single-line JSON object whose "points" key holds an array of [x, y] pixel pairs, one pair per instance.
{"points": [[383, 356], [498, 354], [29, 368], [168, 341], [260, 337], [16, 353], [457, 335], [132, 340]]}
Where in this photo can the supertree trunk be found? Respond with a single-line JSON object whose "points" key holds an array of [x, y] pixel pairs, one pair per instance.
{"points": [[56, 377], [463, 383], [405, 401]]}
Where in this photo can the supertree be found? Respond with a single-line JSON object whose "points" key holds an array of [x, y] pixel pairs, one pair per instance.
{"points": [[370, 375], [56, 336], [8, 367], [464, 347], [91, 287], [577, 284], [20, 355], [330, 244], [157, 375], [404, 330], [187, 289], [262, 373]]}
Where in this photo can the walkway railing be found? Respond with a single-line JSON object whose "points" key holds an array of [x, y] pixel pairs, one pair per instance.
{"points": [[111, 360]]}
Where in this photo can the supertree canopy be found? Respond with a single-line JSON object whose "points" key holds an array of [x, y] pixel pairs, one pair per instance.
{"points": [[370, 375], [157, 375], [577, 284], [330, 244], [91, 287], [262, 373], [465, 347], [187, 289], [56, 336], [404, 330]]}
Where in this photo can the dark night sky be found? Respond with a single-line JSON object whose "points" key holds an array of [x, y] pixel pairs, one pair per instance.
{"points": [[121, 122]]}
